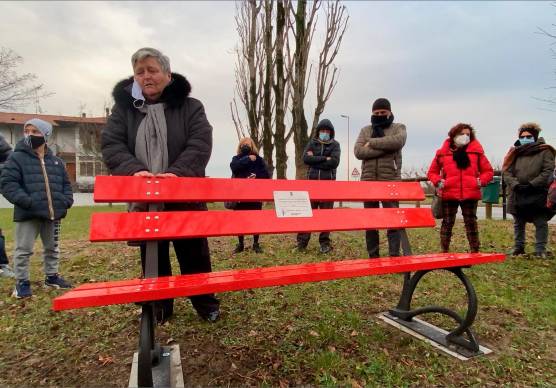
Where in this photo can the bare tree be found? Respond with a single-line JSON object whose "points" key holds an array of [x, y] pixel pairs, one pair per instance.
{"points": [[248, 70], [267, 133], [336, 24], [327, 73], [17, 90], [303, 28], [281, 87]]}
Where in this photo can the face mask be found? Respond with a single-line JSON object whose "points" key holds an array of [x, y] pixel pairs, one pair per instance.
{"points": [[324, 136], [526, 140], [35, 141], [461, 140], [380, 120], [137, 94], [245, 149]]}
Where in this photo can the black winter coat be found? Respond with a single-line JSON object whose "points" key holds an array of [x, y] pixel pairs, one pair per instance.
{"points": [[243, 167], [319, 167], [24, 184], [189, 134]]}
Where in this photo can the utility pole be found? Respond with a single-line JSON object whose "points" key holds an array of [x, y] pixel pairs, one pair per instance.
{"points": [[347, 117]]}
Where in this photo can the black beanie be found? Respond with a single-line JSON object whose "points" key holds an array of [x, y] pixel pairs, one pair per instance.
{"points": [[381, 103], [532, 128]]}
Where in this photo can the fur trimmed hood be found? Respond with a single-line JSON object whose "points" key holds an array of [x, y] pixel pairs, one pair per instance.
{"points": [[174, 95]]}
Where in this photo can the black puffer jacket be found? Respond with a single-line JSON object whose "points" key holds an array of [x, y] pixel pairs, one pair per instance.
{"points": [[24, 184], [189, 133], [319, 167]]}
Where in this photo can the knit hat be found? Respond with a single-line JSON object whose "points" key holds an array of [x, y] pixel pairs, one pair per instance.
{"points": [[44, 126], [381, 103], [532, 128]]}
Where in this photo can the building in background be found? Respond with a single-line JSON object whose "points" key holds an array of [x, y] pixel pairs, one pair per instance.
{"points": [[76, 140]]}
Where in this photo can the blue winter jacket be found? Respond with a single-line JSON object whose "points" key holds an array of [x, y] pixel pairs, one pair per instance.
{"points": [[37, 190], [243, 167]]}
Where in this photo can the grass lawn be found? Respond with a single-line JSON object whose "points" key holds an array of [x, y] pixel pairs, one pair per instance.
{"points": [[310, 334]]}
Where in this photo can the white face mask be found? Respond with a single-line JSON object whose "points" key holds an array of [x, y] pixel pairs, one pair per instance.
{"points": [[461, 140]]}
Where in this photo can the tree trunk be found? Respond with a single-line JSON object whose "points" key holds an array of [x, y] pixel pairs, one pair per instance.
{"points": [[280, 96], [268, 146]]}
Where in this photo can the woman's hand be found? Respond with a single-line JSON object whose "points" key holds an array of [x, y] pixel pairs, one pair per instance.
{"points": [[144, 173], [252, 157], [310, 153], [166, 175]]}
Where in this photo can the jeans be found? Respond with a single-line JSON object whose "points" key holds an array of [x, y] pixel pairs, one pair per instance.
{"points": [[26, 233], [541, 233]]}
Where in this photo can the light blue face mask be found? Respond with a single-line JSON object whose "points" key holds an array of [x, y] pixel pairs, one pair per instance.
{"points": [[324, 136], [525, 140]]}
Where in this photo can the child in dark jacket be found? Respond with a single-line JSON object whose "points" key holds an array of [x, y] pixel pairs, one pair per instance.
{"points": [[322, 156], [248, 164], [37, 183]]}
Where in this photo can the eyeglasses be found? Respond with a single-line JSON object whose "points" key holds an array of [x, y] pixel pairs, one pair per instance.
{"points": [[526, 137]]}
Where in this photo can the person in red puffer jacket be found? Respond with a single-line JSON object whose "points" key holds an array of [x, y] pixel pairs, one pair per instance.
{"points": [[458, 171]]}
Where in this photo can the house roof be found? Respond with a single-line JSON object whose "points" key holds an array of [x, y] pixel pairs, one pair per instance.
{"points": [[22, 118]]}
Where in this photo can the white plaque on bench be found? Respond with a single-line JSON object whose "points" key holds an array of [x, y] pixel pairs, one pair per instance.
{"points": [[292, 204]]}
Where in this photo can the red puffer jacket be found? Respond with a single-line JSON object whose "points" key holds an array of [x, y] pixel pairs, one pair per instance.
{"points": [[460, 184]]}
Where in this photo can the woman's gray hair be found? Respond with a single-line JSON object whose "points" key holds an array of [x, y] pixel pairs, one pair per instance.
{"points": [[145, 52]]}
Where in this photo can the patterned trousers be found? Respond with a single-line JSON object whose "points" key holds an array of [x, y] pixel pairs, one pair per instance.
{"points": [[469, 211]]}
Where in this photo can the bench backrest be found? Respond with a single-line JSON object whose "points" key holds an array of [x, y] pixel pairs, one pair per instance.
{"points": [[167, 225]]}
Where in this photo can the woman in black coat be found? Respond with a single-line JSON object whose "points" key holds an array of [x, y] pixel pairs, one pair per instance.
{"points": [[248, 164]]}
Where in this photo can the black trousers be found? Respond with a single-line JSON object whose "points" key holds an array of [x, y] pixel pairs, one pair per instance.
{"points": [[324, 237], [3, 256], [393, 235], [193, 257]]}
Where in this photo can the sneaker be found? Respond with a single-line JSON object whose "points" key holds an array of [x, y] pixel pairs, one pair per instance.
{"points": [[257, 248], [56, 281], [212, 317], [239, 248], [517, 251], [22, 289], [325, 248], [6, 271]]}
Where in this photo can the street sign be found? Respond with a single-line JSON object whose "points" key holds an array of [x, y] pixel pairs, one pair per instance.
{"points": [[355, 174]]}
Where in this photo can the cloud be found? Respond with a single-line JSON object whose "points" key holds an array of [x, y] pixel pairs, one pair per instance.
{"points": [[438, 62]]}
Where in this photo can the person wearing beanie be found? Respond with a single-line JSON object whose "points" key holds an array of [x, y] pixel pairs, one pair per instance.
{"points": [[379, 147], [322, 156], [37, 183], [527, 171]]}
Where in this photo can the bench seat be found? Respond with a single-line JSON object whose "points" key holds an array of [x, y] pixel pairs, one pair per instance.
{"points": [[141, 290]]}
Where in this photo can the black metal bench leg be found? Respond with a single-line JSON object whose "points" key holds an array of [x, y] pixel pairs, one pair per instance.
{"points": [[149, 351], [404, 312]]}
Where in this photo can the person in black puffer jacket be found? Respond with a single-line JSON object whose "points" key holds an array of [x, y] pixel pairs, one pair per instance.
{"points": [[248, 164], [322, 155], [37, 183]]}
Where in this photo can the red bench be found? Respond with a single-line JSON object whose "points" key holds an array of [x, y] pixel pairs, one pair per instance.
{"points": [[152, 226]]}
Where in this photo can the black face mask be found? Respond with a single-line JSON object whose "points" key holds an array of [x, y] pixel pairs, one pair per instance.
{"points": [[382, 121], [245, 149], [36, 141]]}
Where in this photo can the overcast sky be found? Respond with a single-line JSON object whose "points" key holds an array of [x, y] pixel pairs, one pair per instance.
{"points": [[439, 63]]}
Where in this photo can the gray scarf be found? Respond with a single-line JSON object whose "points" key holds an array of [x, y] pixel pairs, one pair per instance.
{"points": [[151, 144]]}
